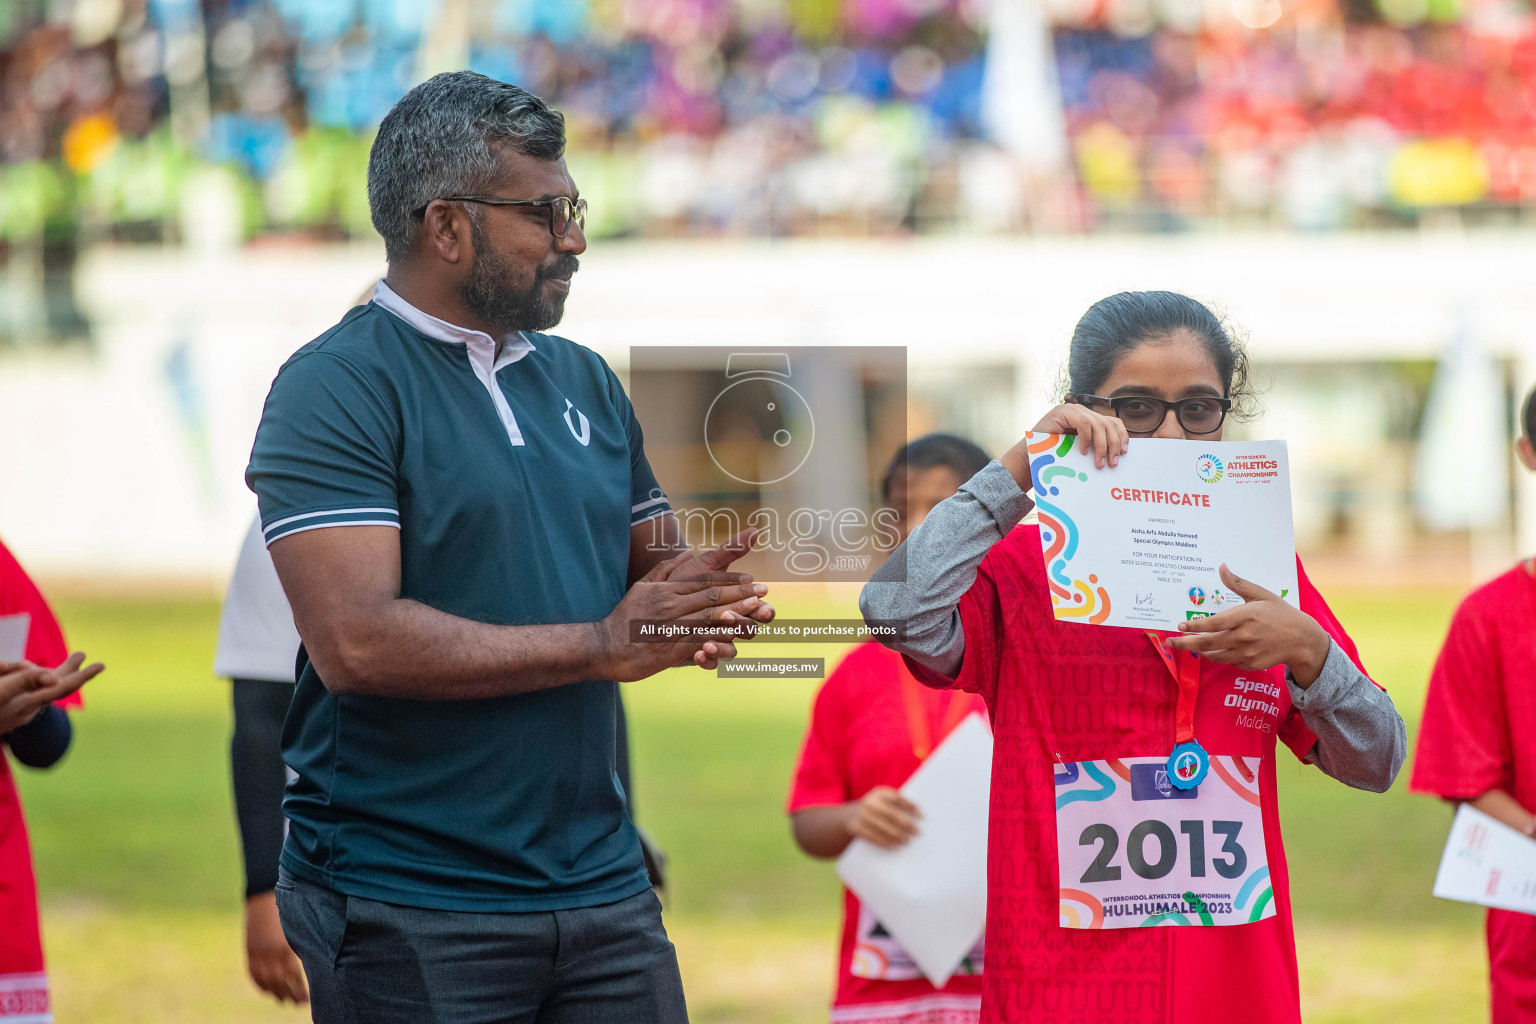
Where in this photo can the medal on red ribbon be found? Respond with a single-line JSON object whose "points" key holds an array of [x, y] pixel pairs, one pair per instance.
{"points": [[1187, 765], [1189, 762]]}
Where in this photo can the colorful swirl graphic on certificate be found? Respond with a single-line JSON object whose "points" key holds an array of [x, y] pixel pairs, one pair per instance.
{"points": [[1140, 544]]}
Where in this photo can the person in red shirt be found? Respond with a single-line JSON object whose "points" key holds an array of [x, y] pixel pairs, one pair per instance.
{"points": [[1478, 717], [1085, 717], [871, 726], [36, 732]]}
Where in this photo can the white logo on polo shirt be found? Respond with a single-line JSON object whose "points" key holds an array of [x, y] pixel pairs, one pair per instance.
{"points": [[584, 435]]}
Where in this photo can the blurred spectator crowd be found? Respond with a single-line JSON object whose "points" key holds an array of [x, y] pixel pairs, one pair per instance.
{"points": [[220, 121]]}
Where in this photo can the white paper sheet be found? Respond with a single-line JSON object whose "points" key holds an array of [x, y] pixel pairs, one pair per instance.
{"points": [[1487, 862], [1139, 544], [13, 636], [931, 894]]}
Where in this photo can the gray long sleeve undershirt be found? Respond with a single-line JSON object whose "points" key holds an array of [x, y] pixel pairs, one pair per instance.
{"points": [[1361, 739]]}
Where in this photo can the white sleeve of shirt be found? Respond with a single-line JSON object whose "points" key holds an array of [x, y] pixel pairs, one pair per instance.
{"points": [[257, 637]]}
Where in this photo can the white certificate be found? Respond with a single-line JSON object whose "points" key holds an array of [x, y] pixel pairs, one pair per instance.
{"points": [[1139, 544], [931, 894], [1487, 862], [13, 636]]}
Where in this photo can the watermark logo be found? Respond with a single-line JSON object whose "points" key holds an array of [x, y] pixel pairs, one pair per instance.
{"points": [[792, 441], [1209, 468], [759, 430]]}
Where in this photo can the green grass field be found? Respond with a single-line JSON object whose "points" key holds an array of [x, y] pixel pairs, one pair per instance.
{"points": [[135, 840]]}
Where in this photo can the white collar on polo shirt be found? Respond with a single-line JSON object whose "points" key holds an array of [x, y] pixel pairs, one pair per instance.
{"points": [[514, 346], [480, 347]]}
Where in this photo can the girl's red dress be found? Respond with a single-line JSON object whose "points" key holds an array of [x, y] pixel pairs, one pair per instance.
{"points": [[23, 983]]}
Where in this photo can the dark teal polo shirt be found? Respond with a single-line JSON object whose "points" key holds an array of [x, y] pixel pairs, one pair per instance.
{"points": [[514, 512]]}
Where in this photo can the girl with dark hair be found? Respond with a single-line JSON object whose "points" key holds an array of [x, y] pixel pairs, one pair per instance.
{"points": [[1475, 735], [871, 726], [978, 618]]}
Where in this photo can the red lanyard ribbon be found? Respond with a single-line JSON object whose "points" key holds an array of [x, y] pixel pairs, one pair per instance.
{"points": [[918, 728], [1184, 666]]}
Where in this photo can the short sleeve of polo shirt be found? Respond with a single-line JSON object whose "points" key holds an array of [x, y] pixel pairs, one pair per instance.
{"points": [[647, 500], [1464, 749], [327, 450], [821, 775]]}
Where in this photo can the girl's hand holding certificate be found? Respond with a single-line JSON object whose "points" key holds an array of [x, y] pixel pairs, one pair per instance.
{"points": [[1105, 436], [1259, 634]]}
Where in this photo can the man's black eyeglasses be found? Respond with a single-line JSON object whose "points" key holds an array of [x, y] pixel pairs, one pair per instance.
{"points": [[562, 209], [1143, 414]]}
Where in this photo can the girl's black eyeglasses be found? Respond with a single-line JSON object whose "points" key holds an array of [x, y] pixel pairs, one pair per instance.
{"points": [[1143, 414]]}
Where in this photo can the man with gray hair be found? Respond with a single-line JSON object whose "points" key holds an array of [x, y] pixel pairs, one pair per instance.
{"points": [[463, 517]]}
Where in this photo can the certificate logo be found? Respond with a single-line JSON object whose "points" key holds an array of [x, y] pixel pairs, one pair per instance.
{"points": [[1209, 468], [1196, 596]]}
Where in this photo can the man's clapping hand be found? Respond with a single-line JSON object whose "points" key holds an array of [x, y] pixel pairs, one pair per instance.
{"points": [[696, 592]]}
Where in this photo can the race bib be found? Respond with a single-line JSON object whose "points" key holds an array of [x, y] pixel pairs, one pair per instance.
{"points": [[878, 956], [1133, 851]]}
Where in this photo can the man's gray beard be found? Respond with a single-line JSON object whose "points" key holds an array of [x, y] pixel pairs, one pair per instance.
{"points": [[485, 291]]}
